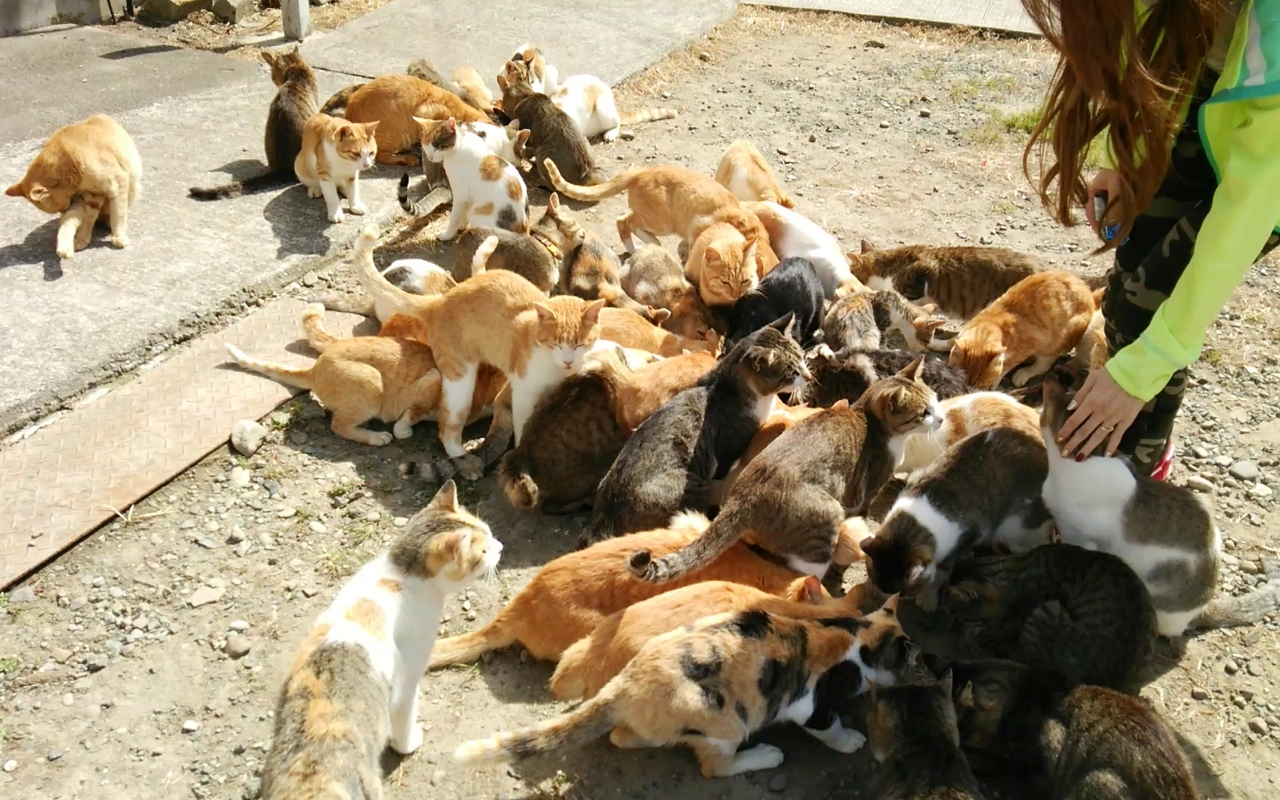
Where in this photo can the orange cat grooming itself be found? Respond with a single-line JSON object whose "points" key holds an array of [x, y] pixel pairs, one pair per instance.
{"points": [[1042, 316], [81, 171], [333, 153], [496, 318], [744, 172]]}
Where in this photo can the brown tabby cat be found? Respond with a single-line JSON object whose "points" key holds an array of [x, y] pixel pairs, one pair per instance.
{"points": [[655, 278], [334, 151], [570, 596], [81, 171], [1078, 742], [850, 372], [555, 137], [393, 101], [296, 101], [793, 500], [591, 272], [536, 257], [717, 681], [780, 420], [861, 319], [743, 171], [961, 281]]}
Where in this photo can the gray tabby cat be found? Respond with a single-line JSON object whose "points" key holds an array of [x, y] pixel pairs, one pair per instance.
{"points": [[860, 320]]}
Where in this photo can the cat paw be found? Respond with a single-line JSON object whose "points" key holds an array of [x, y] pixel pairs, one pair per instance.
{"points": [[313, 193], [762, 756], [359, 209], [446, 236], [379, 438], [404, 748], [611, 135], [848, 741], [455, 449], [66, 253], [1022, 376], [118, 242], [402, 430], [470, 467], [336, 216]]}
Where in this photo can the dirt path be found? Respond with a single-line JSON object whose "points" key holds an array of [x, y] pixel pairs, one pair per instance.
{"points": [[113, 685]]}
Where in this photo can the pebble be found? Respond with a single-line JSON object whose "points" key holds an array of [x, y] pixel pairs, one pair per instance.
{"points": [[247, 436], [68, 699], [212, 526], [924, 112], [239, 626], [60, 654], [11, 765], [236, 536], [876, 44], [953, 131], [782, 151], [372, 516], [1254, 670], [778, 783], [1261, 491], [1244, 470], [205, 595], [1199, 694], [272, 487], [1230, 667], [187, 524], [884, 123], [317, 526], [286, 512], [1199, 484], [206, 543], [56, 754], [436, 777], [703, 55], [23, 594], [190, 726], [298, 437], [237, 646], [240, 477], [95, 662], [78, 603], [310, 279], [1258, 725], [1230, 560], [400, 522]]}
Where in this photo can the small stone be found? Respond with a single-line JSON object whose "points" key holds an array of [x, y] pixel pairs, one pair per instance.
{"points": [[206, 543], [1199, 694], [60, 654], [1258, 725], [1261, 491], [317, 526], [1197, 483], [187, 524], [884, 123], [264, 539], [68, 699], [190, 726], [205, 595], [240, 477], [372, 516], [95, 662], [1230, 667], [400, 522], [23, 594], [236, 536], [924, 112], [813, 138], [56, 754], [953, 131], [876, 44], [436, 777], [310, 279], [778, 783], [1244, 471], [78, 603], [237, 646], [1254, 670], [1230, 560], [272, 487], [10, 765], [703, 55], [286, 512], [213, 526], [247, 436], [782, 151], [298, 437], [309, 591], [240, 626]]}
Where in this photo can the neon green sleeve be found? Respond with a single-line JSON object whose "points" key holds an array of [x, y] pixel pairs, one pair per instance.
{"points": [[1246, 206]]}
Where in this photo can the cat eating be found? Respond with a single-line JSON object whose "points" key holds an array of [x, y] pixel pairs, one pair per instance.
{"points": [[791, 287], [793, 235], [394, 101], [743, 171], [860, 320], [849, 373]]}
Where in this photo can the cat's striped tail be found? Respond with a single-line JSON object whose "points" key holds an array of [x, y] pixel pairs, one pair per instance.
{"points": [[1229, 612], [579, 727], [313, 326], [383, 291], [290, 376], [648, 115], [516, 483], [429, 202], [258, 183], [718, 537], [336, 105]]}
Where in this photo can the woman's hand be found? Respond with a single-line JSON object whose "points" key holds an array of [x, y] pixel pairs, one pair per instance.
{"points": [[1105, 181], [1102, 412]]}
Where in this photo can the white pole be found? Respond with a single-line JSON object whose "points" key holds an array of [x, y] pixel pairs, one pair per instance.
{"points": [[296, 16]]}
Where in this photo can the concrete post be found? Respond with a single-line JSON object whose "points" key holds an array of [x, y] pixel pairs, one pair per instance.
{"points": [[296, 19]]}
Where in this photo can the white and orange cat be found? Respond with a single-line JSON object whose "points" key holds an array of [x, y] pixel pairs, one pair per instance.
{"points": [[358, 671], [83, 170], [589, 103], [743, 171], [334, 151], [793, 235], [488, 191], [496, 318], [964, 416]]}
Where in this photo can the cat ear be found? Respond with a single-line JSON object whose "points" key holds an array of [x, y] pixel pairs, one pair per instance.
{"points": [[929, 308], [502, 82], [658, 315], [933, 324], [14, 190], [38, 191], [522, 140], [370, 127], [269, 57], [446, 499], [592, 313], [867, 246], [553, 203], [965, 698], [513, 127], [785, 323], [711, 255], [425, 126], [842, 403], [452, 125], [914, 370], [812, 590], [545, 314], [891, 605]]}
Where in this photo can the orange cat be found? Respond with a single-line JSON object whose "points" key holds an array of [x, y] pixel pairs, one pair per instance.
{"points": [[393, 101], [593, 660], [725, 260], [1091, 351], [631, 330], [744, 172], [573, 594], [1043, 316], [966, 415], [496, 318], [83, 169], [333, 153], [472, 85], [653, 385]]}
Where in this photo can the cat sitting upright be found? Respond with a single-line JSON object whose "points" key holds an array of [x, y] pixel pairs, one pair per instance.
{"points": [[488, 191], [554, 136], [358, 671], [334, 151]]}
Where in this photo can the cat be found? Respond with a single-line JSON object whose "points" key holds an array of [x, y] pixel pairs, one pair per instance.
{"points": [[983, 489], [389, 379], [849, 373], [715, 683], [488, 191], [961, 281], [913, 734], [353, 686], [651, 386], [84, 170], [964, 416], [543, 78], [497, 318], [569, 597], [537, 256], [668, 464], [860, 320], [394, 101], [1043, 316], [500, 141], [473, 89], [1162, 531], [334, 151], [792, 286], [729, 257], [743, 171], [1076, 613], [793, 235], [655, 278], [781, 418], [793, 500], [296, 101], [633, 330], [1092, 350], [424, 69], [554, 136], [590, 271], [589, 102], [1079, 742], [414, 275]]}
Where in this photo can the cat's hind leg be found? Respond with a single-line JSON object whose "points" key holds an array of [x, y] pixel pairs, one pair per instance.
{"points": [[118, 216], [624, 232], [456, 395], [718, 758], [349, 428], [1039, 367], [425, 393]]}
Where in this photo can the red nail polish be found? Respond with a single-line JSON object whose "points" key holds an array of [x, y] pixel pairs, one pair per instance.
{"points": [[1079, 457]]}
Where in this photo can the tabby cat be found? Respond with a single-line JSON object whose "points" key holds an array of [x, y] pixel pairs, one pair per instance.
{"points": [[634, 330], [554, 136], [655, 278], [861, 319], [850, 372], [536, 257], [591, 272], [792, 286], [334, 151], [358, 671]]}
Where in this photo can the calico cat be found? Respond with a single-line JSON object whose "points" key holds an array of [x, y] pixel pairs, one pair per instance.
{"points": [[669, 463], [84, 170], [1043, 317], [554, 136], [633, 330], [964, 416], [743, 171], [914, 735], [720, 679], [334, 151], [860, 320], [569, 597], [961, 281], [500, 141], [984, 489], [394, 101], [497, 318], [353, 686], [1162, 531], [1082, 742], [591, 272], [793, 500], [792, 286], [487, 190], [655, 278], [793, 235], [296, 101], [849, 373], [653, 385], [1076, 613], [389, 379], [588, 101]]}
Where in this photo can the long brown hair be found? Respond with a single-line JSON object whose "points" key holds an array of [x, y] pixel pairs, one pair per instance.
{"points": [[1118, 71]]}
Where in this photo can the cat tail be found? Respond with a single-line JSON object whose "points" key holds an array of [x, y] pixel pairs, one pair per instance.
{"points": [[290, 376], [379, 288], [516, 483], [648, 115], [715, 538], [258, 183], [427, 204], [313, 326], [480, 261], [1230, 612], [579, 727], [597, 191], [496, 635], [336, 105]]}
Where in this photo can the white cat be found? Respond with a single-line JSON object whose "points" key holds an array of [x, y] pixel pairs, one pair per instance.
{"points": [[488, 191], [793, 235], [505, 143], [359, 669]]}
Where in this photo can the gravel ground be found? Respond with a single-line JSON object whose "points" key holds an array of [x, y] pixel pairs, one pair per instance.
{"points": [[145, 662]]}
